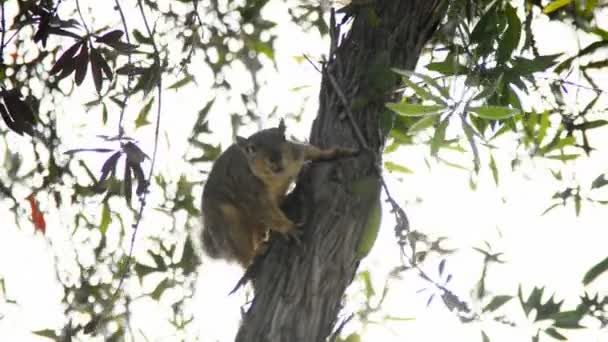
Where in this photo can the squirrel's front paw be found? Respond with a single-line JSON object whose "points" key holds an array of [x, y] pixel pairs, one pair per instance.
{"points": [[347, 151]]}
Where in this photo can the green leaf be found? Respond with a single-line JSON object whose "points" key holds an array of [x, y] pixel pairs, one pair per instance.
{"points": [[422, 123], [408, 109], [372, 227], [525, 66], [592, 124], [563, 157], [555, 5], [367, 282], [494, 169], [496, 303], [160, 289], [449, 66], [577, 204], [104, 113], [556, 335], [46, 333], [557, 143], [484, 337], [393, 167], [184, 81], [423, 93], [427, 79], [106, 218], [398, 319], [494, 112], [551, 208], [542, 128], [568, 319], [142, 117], [354, 337], [510, 39], [439, 136], [595, 271], [599, 182], [142, 270]]}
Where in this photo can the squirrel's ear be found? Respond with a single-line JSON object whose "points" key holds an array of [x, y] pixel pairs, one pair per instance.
{"points": [[282, 126], [241, 142]]}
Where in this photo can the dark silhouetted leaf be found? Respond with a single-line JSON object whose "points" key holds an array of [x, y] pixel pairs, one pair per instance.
{"points": [[20, 112], [98, 150], [510, 39], [142, 183], [127, 182], [9, 121], [96, 69], [65, 33], [134, 154], [112, 36], [66, 58], [82, 63], [109, 165]]}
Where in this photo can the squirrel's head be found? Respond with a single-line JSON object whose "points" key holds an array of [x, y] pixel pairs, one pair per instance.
{"points": [[264, 151]]}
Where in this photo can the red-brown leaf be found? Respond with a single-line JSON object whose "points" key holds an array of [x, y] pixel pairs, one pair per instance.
{"points": [[37, 217]]}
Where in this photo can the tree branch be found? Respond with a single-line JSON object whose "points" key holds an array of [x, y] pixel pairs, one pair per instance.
{"points": [[299, 290]]}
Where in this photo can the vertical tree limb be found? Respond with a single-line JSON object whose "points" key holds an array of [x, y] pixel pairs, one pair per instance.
{"points": [[299, 289]]}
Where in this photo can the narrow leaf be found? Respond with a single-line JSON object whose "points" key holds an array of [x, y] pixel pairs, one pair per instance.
{"points": [[408, 109], [106, 218], [595, 271], [494, 112], [393, 167], [555, 5], [142, 117], [82, 63], [496, 303]]}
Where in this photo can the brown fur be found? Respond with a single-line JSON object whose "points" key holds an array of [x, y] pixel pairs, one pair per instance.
{"points": [[245, 189]]}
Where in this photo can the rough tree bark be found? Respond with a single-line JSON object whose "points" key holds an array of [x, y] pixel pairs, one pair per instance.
{"points": [[299, 289]]}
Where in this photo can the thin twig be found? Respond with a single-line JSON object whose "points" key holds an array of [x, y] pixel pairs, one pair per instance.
{"points": [[3, 24], [84, 24], [142, 199], [349, 113], [130, 76]]}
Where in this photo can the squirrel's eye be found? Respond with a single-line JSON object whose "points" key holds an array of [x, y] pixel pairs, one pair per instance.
{"points": [[250, 149]]}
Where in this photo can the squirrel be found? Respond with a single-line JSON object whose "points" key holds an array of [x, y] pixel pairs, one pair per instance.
{"points": [[245, 189]]}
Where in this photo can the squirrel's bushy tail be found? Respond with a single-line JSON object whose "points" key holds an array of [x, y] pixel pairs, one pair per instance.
{"points": [[210, 246]]}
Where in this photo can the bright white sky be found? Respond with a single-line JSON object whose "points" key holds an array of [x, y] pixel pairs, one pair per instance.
{"points": [[554, 250]]}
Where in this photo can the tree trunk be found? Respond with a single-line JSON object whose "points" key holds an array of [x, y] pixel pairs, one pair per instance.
{"points": [[299, 288]]}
